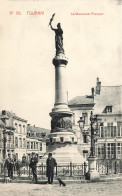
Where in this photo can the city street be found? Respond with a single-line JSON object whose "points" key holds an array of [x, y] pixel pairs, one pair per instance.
{"points": [[87, 189]]}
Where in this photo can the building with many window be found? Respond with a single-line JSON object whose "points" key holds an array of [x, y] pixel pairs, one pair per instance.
{"points": [[16, 142], [36, 141], [21, 139], [6, 135], [106, 102]]}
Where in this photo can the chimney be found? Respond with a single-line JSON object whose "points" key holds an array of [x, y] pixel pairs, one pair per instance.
{"points": [[92, 92], [4, 112], [98, 86]]}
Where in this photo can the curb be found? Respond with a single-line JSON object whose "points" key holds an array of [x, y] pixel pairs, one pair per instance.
{"points": [[66, 181]]}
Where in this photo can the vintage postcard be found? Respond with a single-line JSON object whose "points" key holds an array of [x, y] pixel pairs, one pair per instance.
{"points": [[60, 65]]}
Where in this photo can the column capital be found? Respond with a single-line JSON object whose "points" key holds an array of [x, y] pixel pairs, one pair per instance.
{"points": [[60, 59]]}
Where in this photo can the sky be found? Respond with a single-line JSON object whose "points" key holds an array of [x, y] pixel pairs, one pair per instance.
{"points": [[92, 44]]}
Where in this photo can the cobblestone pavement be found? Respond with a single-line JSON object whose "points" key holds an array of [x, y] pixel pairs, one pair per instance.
{"points": [[86, 189]]}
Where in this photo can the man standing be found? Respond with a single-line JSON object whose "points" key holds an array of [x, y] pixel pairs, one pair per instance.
{"points": [[9, 164], [51, 163], [33, 163]]}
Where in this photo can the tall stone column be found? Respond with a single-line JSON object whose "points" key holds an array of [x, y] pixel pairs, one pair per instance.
{"points": [[62, 140], [61, 113]]}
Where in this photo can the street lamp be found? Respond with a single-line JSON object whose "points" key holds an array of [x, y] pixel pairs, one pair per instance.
{"points": [[4, 118], [85, 131], [81, 123], [92, 173]]}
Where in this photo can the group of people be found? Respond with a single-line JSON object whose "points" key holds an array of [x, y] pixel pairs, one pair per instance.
{"points": [[50, 164], [12, 164]]}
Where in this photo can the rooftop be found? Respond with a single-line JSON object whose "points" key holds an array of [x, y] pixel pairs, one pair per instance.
{"points": [[37, 129], [109, 96], [81, 100]]}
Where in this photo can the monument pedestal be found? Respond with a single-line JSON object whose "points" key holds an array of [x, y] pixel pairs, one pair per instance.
{"points": [[92, 174], [64, 153], [62, 142]]}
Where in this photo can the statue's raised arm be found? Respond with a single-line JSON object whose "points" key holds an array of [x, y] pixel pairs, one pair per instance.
{"points": [[58, 37]]}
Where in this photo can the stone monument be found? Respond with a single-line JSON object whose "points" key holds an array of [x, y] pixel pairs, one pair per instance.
{"points": [[61, 142]]}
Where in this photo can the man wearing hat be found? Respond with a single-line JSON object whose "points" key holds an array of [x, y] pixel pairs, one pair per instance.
{"points": [[33, 163], [51, 163], [9, 164]]}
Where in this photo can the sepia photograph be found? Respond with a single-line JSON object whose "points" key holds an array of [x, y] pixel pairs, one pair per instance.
{"points": [[61, 98]]}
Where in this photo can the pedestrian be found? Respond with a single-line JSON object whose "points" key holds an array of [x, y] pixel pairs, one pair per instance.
{"points": [[17, 164], [33, 165], [50, 163], [9, 164], [23, 158]]}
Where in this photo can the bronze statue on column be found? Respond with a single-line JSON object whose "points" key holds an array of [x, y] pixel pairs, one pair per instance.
{"points": [[58, 37]]}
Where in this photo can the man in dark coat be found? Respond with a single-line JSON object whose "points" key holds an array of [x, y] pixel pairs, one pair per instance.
{"points": [[9, 164], [33, 163], [51, 163]]}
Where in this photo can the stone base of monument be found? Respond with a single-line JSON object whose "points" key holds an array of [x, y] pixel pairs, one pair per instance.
{"points": [[64, 153], [92, 174]]}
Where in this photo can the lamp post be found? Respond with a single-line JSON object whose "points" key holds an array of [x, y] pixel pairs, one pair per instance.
{"points": [[93, 174], [4, 118], [94, 131]]}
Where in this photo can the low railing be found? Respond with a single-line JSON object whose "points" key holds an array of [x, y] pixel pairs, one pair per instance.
{"points": [[69, 170], [109, 166]]}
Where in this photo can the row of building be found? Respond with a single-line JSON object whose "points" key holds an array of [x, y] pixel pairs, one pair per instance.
{"points": [[19, 138]]}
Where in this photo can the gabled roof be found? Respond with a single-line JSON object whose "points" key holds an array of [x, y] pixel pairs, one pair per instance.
{"points": [[81, 100], [109, 96], [37, 129], [12, 115]]}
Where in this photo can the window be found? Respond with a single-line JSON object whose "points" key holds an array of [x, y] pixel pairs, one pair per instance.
{"points": [[108, 131], [102, 134], [16, 142], [24, 129], [119, 129], [61, 139], [110, 154], [24, 143], [40, 146], [16, 127], [28, 133], [12, 139], [115, 134], [85, 117], [28, 145], [72, 139], [31, 145], [108, 109], [119, 150], [20, 129], [43, 134], [85, 138], [112, 132], [105, 132], [20, 142], [36, 145], [101, 151], [119, 133]]}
